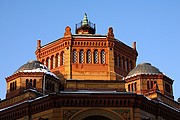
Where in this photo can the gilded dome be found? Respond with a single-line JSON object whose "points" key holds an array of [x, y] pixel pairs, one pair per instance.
{"points": [[144, 68]]}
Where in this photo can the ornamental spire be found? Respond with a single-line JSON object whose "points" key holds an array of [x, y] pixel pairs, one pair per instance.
{"points": [[85, 20], [85, 26]]}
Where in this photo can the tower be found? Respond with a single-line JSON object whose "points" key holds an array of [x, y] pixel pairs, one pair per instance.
{"points": [[76, 55], [100, 80], [32, 76], [150, 81], [85, 57]]}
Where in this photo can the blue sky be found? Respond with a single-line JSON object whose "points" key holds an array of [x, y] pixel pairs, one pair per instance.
{"points": [[153, 24]]}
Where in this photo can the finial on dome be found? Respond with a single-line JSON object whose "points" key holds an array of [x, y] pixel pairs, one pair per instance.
{"points": [[85, 26], [85, 20]]}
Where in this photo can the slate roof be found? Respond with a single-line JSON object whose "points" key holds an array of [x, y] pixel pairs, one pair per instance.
{"points": [[30, 65], [144, 68], [35, 66]]}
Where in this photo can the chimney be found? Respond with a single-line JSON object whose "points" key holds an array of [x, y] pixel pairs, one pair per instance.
{"points": [[38, 44], [134, 45]]}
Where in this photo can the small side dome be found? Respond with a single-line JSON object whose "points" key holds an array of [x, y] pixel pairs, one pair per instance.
{"points": [[32, 65], [35, 66], [144, 68], [178, 100]]}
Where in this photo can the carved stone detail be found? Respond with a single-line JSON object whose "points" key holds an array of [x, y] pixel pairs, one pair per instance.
{"points": [[99, 112], [68, 113], [110, 32], [67, 32], [125, 113]]}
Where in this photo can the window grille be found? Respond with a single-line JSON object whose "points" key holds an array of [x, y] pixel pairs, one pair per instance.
{"points": [[96, 57], [81, 56], [103, 57], [89, 56], [74, 56]]}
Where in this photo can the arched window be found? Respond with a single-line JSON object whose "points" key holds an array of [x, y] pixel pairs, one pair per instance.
{"points": [[103, 57], [34, 83], [11, 86], [148, 85], [52, 62], [48, 62], [53, 87], [15, 85], [127, 65], [129, 87], [50, 85], [88, 55], [57, 61], [74, 56], [132, 87], [151, 84], [123, 63], [115, 58], [131, 65], [96, 56], [167, 88], [81, 56], [118, 61], [62, 58], [27, 82], [47, 85], [43, 62], [135, 86]]}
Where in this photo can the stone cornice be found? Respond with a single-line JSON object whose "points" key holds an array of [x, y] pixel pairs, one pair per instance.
{"points": [[148, 76], [24, 74], [124, 99]]}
